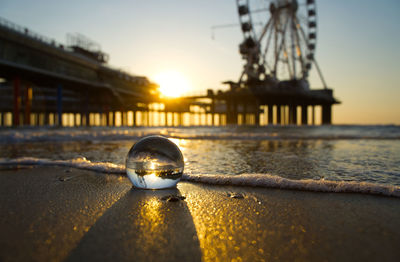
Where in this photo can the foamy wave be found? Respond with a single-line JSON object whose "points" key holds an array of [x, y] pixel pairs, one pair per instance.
{"points": [[252, 180], [272, 181], [80, 163]]}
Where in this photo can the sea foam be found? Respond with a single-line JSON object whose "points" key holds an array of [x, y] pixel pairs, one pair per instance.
{"points": [[252, 180], [80, 163]]}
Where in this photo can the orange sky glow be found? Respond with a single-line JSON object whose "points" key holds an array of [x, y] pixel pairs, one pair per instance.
{"points": [[358, 54]]}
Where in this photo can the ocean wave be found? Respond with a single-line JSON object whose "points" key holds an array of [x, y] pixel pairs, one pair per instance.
{"points": [[273, 181], [80, 163], [251, 180], [199, 133]]}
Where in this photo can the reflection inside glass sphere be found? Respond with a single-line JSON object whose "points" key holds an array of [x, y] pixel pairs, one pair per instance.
{"points": [[154, 163]]}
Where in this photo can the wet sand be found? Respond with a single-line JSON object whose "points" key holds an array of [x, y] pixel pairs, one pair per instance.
{"points": [[63, 214]]}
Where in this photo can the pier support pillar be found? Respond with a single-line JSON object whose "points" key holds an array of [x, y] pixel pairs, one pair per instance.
{"points": [[87, 118], [165, 118], [293, 114], [87, 115], [244, 120], [71, 116], [228, 112], [278, 115], [107, 115], [114, 117], [86, 108], [231, 114], [109, 118], [59, 104], [77, 120], [54, 116], [28, 105], [17, 102], [257, 113], [284, 115], [212, 112], [313, 114], [304, 115], [270, 115], [46, 118], [235, 114], [83, 119], [326, 114], [37, 119], [125, 114], [159, 117]]}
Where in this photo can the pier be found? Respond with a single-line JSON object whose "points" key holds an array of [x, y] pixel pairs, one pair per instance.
{"points": [[43, 82]]}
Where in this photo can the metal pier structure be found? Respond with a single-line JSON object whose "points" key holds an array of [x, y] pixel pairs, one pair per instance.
{"points": [[43, 82], [278, 105], [41, 76]]}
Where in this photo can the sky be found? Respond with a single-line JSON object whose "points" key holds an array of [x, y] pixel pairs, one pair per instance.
{"points": [[357, 46]]}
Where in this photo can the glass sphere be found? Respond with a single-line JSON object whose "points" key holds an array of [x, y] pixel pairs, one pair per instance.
{"points": [[154, 162]]}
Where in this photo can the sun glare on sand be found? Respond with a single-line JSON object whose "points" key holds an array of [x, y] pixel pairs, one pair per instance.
{"points": [[172, 83]]}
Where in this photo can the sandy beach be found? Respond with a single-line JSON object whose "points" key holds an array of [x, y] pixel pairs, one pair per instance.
{"points": [[282, 126], [64, 214]]}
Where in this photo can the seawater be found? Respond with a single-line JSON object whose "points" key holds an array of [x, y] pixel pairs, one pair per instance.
{"points": [[339, 155]]}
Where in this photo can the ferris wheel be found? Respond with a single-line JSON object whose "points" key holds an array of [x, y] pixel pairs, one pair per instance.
{"points": [[279, 40]]}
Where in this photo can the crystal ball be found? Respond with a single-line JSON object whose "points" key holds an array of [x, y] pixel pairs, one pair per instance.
{"points": [[154, 162]]}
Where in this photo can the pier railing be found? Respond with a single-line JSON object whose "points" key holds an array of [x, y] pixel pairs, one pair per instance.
{"points": [[31, 34]]}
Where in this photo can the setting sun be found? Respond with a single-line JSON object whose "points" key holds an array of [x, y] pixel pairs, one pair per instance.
{"points": [[172, 83]]}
